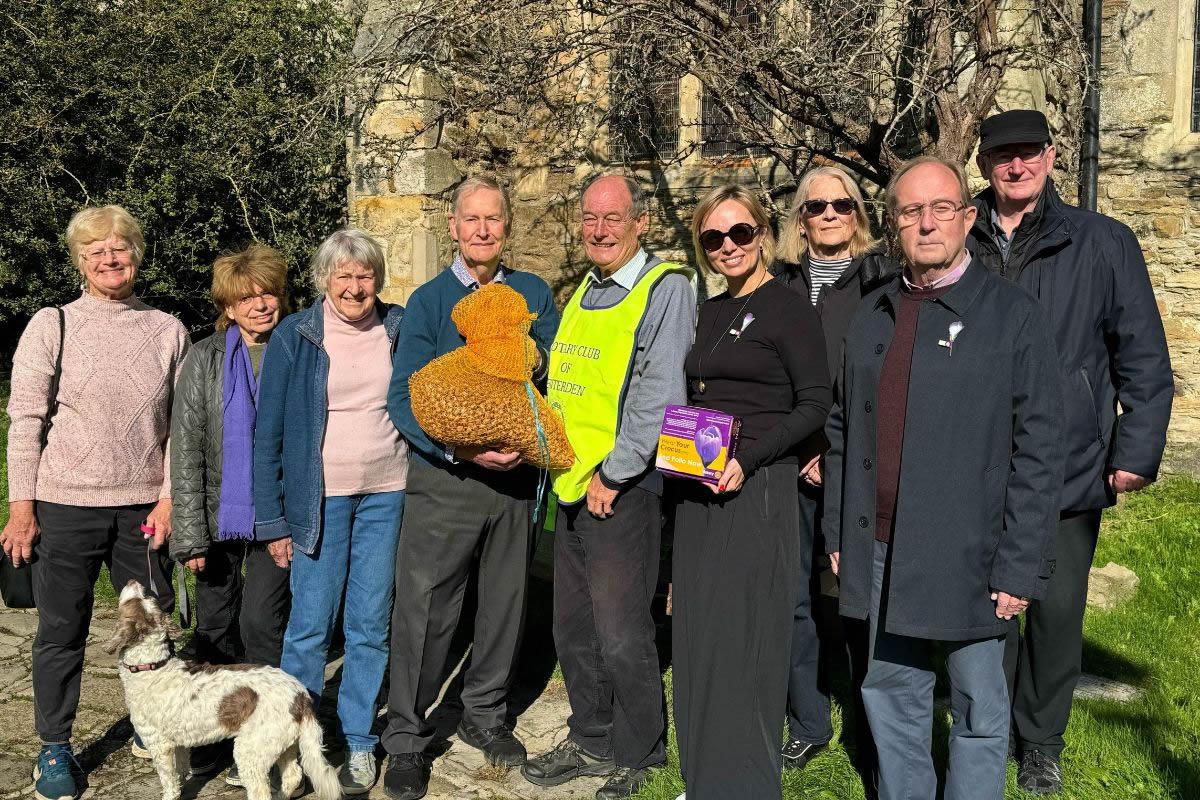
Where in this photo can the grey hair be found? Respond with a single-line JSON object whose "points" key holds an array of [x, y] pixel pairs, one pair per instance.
{"points": [[482, 182], [347, 244], [641, 203]]}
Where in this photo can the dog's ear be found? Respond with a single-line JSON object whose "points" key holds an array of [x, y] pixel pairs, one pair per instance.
{"points": [[133, 624], [122, 637]]}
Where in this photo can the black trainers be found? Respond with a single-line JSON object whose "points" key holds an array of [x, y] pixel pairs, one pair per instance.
{"points": [[797, 754], [565, 762], [207, 758], [1039, 773], [407, 776], [498, 744], [623, 783]]}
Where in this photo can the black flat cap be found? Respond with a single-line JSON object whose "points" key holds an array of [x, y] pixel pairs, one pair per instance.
{"points": [[1020, 126]]}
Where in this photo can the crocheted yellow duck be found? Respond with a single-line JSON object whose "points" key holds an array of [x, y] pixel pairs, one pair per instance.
{"points": [[480, 394]]}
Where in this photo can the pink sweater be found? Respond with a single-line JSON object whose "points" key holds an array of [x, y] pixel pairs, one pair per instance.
{"points": [[108, 444], [362, 452]]}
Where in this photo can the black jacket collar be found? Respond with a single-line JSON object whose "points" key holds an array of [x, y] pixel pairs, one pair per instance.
{"points": [[872, 266], [1046, 220]]}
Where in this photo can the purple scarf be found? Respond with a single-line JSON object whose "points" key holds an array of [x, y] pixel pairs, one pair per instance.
{"points": [[235, 518]]}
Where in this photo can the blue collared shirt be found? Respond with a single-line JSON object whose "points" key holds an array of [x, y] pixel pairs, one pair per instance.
{"points": [[1003, 240], [625, 277], [459, 268]]}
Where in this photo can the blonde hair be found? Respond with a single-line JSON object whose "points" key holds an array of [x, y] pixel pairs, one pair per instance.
{"points": [[793, 243], [235, 275], [348, 244], [960, 174], [96, 223], [748, 201]]}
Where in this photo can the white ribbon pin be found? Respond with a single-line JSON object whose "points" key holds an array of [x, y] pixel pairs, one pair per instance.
{"points": [[955, 329]]}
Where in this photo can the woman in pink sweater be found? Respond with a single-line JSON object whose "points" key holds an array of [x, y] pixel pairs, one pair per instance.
{"points": [[87, 464]]}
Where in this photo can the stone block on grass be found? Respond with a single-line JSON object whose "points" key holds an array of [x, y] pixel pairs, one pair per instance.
{"points": [[1111, 585]]}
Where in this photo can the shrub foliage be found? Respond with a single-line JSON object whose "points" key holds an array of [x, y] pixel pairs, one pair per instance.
{"points": [[214, 123]]}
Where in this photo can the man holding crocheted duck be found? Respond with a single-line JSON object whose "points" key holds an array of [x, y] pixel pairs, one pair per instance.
{"points": [[616, 364], [460, 500]]}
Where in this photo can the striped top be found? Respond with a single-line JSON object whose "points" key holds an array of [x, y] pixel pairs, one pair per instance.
{"points": [[824, 273]]}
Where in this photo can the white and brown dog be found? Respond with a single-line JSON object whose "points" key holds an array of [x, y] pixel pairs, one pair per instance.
{"points": [[176, 705]]}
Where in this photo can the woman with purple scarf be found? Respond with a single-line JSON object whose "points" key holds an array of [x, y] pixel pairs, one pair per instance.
{"points": [[212, 437]]}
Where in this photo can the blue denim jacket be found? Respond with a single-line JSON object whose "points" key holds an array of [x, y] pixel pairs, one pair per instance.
{"points": [[292, 408]]}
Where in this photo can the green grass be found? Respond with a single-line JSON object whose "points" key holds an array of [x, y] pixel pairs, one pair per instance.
{"points": [[1147, 749]]}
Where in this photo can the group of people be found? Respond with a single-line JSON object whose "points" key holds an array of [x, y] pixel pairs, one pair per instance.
{"points": [[938, 428]]}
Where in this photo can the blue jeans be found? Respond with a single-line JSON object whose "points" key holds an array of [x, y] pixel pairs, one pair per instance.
{"points": [[356, 555], [898, 694]]}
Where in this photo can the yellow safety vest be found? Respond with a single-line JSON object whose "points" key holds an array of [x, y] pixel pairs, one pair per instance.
{"points": [[590, 364]]}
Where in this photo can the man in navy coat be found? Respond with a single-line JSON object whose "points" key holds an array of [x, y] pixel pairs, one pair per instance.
{"points": [[942, 485], [1088, 274]]}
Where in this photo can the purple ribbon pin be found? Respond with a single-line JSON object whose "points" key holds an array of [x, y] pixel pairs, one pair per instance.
{"points": [[746, 320]]}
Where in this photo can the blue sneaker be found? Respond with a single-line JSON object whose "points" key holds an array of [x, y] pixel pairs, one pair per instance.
{"points": [[55, 773]]}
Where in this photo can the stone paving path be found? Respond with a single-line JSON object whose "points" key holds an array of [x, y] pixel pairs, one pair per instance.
{"points": [[102, 733]]}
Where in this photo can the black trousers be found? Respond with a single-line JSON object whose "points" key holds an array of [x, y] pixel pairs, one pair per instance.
{"points": [[605, 574], [735, 567], [1043, 664], [74, 542], [808, 700], [449, 517], [240, 617]]}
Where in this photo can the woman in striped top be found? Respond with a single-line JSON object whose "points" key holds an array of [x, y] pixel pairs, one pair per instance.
{"points": [[827, 254]]}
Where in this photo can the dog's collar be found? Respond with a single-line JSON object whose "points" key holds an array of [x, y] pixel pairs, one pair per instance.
{"points": [[148, 667], [155, 665]]}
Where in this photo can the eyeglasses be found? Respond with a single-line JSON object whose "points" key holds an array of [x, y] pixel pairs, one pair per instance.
{"points": [[741, 234], [843, 205], [93, 256], [942, 210], [250, 299], [1029, 155]]}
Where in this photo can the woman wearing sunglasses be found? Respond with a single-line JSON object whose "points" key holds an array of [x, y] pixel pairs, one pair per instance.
{"points": [[759, 356], [827, 254]]}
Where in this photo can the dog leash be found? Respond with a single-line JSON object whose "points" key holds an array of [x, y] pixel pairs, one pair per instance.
{"points": [[543, 451], [183, 602], [543, 445], [148, 534]]}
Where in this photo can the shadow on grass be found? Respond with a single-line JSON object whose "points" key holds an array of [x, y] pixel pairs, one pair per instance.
{"points": [[1107, 663], [1146, 723], [1181, 767]]}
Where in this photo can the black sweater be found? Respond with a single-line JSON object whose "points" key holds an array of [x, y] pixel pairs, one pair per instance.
{"points": [[773, 376]]}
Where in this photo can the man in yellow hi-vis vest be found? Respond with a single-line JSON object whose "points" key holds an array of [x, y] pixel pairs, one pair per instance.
{"points": [[616, 363]]}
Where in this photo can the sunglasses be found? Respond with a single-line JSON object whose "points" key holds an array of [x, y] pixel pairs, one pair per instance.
{"points": [[843, 205], [741, 234]]}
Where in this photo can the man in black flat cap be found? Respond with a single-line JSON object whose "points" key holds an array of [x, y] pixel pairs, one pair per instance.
{"points": [[1088, 273]]}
